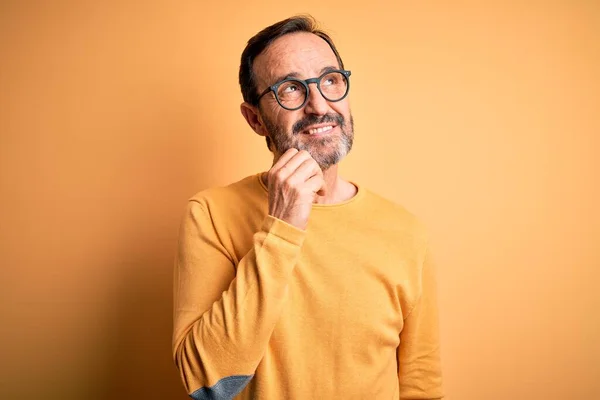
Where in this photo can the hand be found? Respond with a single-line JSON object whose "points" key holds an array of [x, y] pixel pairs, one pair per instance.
{"points": [[294, 181]]}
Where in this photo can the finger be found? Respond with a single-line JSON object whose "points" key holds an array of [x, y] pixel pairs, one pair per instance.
{"points": [[316, 183], [307, 170], [285, 157], [290, 167]]}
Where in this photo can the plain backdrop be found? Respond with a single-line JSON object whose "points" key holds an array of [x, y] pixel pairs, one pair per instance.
{"points": [[480, 117]]}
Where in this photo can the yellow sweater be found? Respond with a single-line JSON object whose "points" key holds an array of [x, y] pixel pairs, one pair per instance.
{"points": [[264, 310]]}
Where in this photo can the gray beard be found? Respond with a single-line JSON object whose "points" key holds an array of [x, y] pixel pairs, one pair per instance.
{"points": [[326, 150]]}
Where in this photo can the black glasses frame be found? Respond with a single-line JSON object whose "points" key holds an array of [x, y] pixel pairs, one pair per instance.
{"points": [[305, 83]]}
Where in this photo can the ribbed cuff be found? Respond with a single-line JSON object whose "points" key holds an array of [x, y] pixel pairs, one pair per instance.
{"points": [[283, 230]]}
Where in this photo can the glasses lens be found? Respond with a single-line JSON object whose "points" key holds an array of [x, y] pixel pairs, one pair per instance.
{"points": [[334, 86], [291, 94]]}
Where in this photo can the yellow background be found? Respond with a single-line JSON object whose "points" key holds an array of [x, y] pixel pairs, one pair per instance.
{"points": [[482, 118]]}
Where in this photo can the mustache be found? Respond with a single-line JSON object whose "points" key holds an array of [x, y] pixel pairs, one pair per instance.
{"points": [[313, 120]]}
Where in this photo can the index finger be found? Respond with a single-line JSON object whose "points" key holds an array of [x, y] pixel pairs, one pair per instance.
{"points": [[285, 157]]}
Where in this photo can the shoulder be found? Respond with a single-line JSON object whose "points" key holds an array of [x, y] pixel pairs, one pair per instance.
{"points": [[395, 213], [233, 191], [232, 199], [393, 217]]}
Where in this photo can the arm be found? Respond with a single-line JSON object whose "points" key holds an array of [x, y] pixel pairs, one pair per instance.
{"points": [[419, 366], [223, 319]]}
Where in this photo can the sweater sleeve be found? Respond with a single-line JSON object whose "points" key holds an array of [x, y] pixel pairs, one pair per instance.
{"points": [[419, 365], [223, 316]]}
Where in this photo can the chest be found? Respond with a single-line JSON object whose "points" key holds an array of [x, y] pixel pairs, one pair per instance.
{"points": [[351, 292]]}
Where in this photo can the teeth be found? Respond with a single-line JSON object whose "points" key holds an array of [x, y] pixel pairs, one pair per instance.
{"points": [[319, 130]]}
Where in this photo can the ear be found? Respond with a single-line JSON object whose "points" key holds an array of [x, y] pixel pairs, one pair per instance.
{"points": [[253, 119]]}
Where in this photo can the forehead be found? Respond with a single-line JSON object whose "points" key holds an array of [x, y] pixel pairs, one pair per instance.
{"points": [[301, 53]]}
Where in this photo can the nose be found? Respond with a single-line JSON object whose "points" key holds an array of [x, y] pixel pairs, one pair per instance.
{"points": [[316, 103]]}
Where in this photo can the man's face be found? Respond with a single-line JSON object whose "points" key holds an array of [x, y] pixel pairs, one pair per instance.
{"points": [[303, 55]]}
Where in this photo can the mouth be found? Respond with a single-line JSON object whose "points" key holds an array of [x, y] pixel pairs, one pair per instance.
{"points": [[319, 129]]}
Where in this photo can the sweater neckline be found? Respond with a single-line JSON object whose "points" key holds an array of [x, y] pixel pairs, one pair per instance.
{"points": [[360, 191]]}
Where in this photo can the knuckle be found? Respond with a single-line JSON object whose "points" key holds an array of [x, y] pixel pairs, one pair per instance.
{"points": [[280, 174], [292, 182], [288, 184]]}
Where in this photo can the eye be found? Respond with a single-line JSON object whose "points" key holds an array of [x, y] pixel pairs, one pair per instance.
{"points": [[330, 80], [292, 87]]}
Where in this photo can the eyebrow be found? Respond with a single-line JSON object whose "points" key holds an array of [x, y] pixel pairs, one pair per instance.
{"points": [[296, 75]]}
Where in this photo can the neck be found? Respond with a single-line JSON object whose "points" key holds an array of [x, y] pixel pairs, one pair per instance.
{"points": [[334, 186], [336, 189]]}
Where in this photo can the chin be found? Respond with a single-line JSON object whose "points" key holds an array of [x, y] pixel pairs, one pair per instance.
{"points": [[327, 161], [326, 167]]}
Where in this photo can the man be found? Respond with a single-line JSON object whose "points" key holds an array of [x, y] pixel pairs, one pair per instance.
{"points": [[295, 283]]}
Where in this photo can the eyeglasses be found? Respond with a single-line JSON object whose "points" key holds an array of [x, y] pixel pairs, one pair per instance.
{"points": [[292, 94]]}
